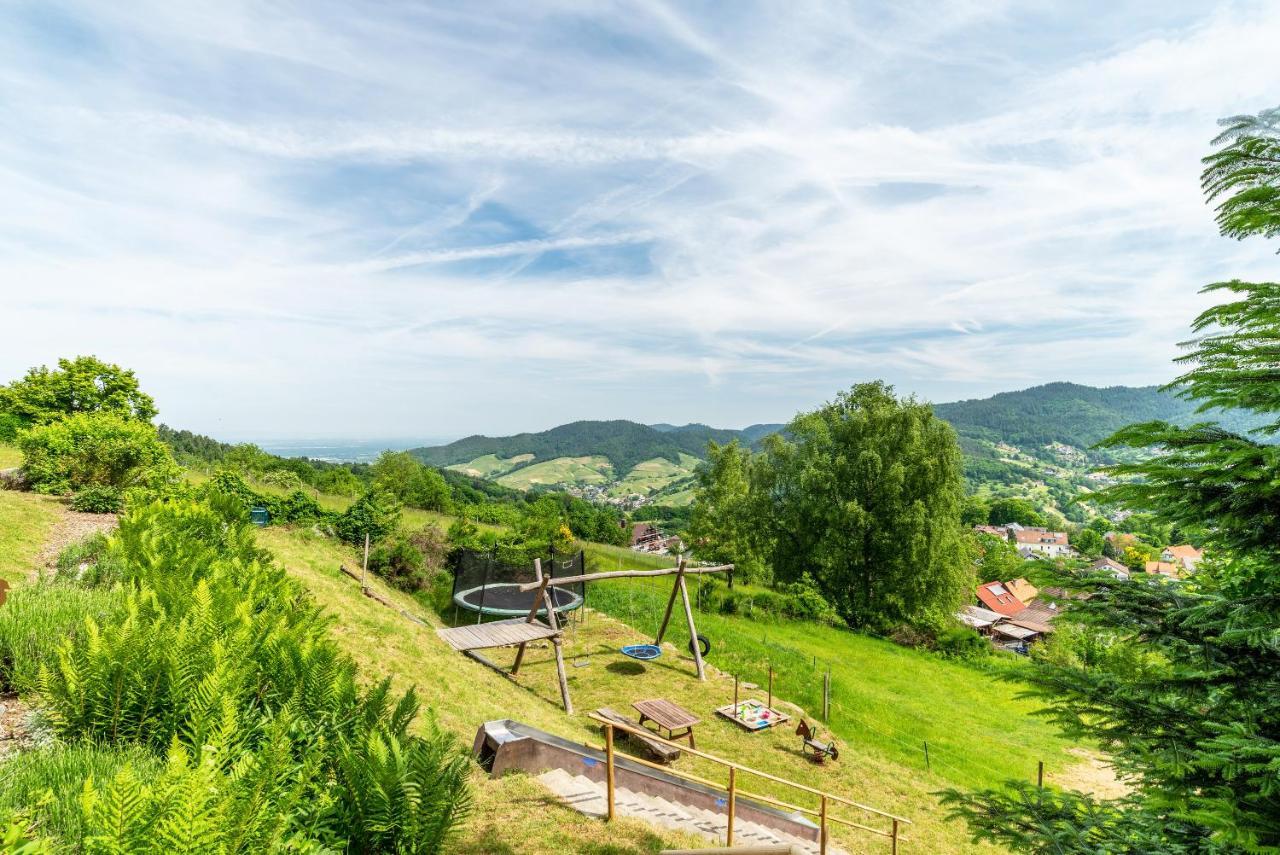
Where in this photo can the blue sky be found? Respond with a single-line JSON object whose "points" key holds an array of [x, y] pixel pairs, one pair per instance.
{"points": [[329, 219]]}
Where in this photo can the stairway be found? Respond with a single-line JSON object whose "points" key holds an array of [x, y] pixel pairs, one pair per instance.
{"points": [[587, 796]]}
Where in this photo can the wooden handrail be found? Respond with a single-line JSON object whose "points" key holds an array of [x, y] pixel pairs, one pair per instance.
{"points": [[757, 797], [627, 574], [639, 731]]}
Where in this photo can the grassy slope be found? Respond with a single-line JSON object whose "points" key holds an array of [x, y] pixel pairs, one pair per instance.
{"points": [[882, 693], [25, 522], [653, 475], [10, 456], [562, 471], [490, 465]]}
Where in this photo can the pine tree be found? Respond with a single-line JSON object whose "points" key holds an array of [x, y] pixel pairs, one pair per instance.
{"points": [[1189, 707]]}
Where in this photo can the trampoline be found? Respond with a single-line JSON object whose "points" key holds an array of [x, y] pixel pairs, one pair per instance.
{"points": [[487, 584], [506, 599]]}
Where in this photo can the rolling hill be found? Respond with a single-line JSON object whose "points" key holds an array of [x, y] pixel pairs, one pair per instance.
{"points": [[1005, 438]]}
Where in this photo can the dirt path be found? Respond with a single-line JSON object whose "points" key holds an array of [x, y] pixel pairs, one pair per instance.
{"points": [[72, 527], [1093, 776]]}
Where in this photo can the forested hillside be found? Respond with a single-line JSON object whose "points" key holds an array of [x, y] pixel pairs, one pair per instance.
{"points": [[1072, 414], [624, 443]]}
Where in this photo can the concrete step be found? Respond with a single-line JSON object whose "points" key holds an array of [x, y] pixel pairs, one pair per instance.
{"points": [[588, 797]]}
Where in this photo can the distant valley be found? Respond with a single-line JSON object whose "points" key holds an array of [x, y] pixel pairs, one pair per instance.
{"points": [[1036, 441]]}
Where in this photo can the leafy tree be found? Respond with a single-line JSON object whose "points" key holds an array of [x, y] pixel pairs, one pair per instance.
{"points": [[1010, 510], [1088, 542], [248, 458], [722, 525], [85, 384], [399, 473], [338, 481], [376, 513], [975, 511], [1196, 725], [996, 558], [865, 495], [94, 450]]}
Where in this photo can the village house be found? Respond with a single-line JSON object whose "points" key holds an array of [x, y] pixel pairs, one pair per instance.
{"points": [[996, 597], [1050, 544], [1186, 556], [1167, 569], [1110, 565], [1022, 589], [645, 537]]}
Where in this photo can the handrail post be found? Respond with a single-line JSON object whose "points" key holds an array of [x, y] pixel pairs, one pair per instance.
{"points": [[895, 837], [608, 771], [733, 803], [822, 827]]}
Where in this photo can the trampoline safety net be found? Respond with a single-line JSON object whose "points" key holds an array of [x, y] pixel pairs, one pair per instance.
{"points": [[482, 583]]}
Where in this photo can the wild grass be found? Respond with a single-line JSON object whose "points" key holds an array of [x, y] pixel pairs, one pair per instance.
{"points": [[53, 777], [10, 456], [37, 617], [25, 522]]}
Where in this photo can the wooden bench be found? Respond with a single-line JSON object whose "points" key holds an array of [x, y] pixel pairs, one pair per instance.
{"points": [[658, 750]]}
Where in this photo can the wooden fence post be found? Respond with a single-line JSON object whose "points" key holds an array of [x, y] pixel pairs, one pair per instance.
{"points": [[364, 568], [733, 803], [608, 772], [822, 827], [927, 765], [894, 839], [1040, 775]]}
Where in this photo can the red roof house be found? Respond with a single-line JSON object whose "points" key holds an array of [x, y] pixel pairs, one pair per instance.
{"points": [[998, 598]]}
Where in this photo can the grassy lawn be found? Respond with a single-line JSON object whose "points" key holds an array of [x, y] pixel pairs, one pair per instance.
{"points": [[887, 700], [25, 522], [10, 456]]}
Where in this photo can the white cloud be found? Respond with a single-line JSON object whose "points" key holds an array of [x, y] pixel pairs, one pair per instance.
{"points": [[445, 219]]}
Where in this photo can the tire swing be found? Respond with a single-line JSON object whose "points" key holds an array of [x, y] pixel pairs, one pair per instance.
{"points": [[704, 645]]}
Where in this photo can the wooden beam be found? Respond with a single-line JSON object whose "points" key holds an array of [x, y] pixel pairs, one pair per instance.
{"points": [[533, 612], [693, 630], [671, 602], [627, 574], [564, 678]]}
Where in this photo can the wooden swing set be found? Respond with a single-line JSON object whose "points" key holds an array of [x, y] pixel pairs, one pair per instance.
{"points": [[521, 631]]}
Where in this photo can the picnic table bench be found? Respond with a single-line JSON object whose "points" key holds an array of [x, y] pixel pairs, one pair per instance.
{"points": [[660, 751], [668, 716]]}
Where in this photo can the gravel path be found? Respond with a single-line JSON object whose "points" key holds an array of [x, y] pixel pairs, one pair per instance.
{"points": [[74, 526]]}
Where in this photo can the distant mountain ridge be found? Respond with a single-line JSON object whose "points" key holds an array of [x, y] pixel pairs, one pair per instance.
{"points": [[624, 443], [1068, 413], [1076, 415]]}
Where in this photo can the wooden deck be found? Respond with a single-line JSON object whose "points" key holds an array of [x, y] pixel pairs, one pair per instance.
{"points": [[502, 633]]}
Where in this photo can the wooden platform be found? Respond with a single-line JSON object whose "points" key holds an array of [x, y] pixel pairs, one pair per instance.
{"points": [[502, 633]]}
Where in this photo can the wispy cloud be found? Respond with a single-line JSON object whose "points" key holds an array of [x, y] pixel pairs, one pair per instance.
{"points": [[500, 217]]}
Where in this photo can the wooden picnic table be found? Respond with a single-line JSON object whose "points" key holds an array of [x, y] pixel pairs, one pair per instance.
{"points": [[668, 716]]}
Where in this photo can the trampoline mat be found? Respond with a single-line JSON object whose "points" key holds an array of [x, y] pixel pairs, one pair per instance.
{"points": [[506, 598]]}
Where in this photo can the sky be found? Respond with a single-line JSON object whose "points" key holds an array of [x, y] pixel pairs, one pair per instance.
{"points": [[337, 219]]}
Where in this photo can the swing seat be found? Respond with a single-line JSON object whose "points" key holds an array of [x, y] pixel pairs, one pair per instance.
{"points": [[643, 652]]}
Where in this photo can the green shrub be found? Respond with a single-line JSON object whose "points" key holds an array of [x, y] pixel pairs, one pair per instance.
{"points": [[961, 642], [94, 449], [10, 425], [219, 658], [99, 499], [400, 562], [36, 617], [375, 513]]}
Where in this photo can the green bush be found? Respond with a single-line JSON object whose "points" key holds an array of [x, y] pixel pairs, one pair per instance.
{"points": [[94, 449], [961, 642], [99, 499], [400, 562], [220, 661], [375, 513]]}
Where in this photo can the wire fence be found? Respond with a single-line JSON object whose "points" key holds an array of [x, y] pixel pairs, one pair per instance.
{"points": [[815, 684]]}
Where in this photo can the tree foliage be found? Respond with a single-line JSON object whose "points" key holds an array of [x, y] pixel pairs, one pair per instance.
{"points": [[722, 525], [94, 449], [84, 384], [1192, 717], [863, 495]]}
